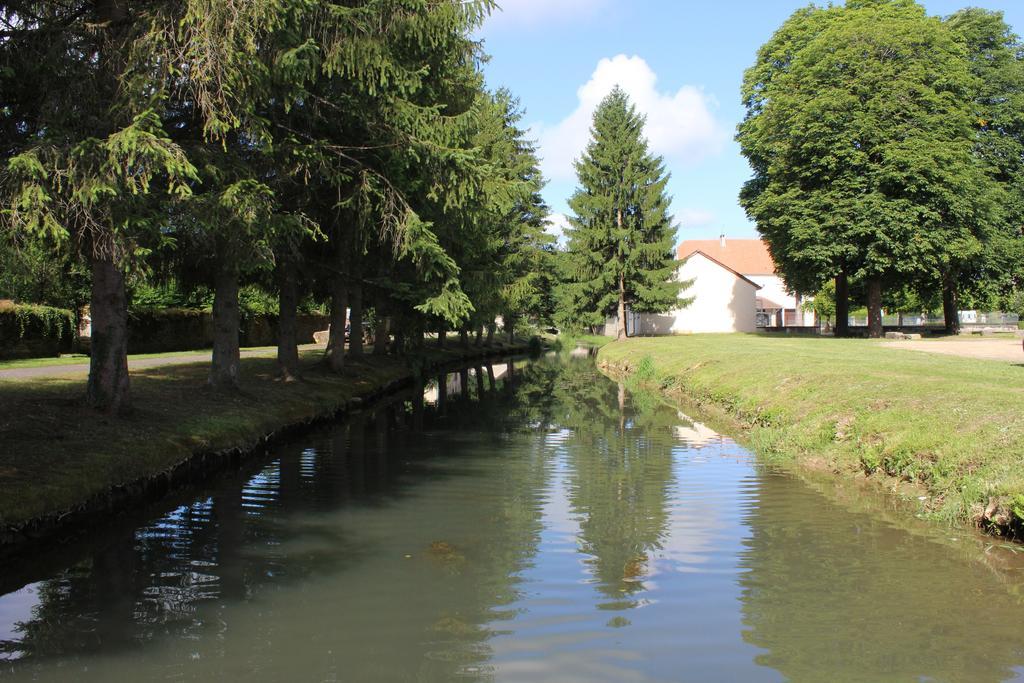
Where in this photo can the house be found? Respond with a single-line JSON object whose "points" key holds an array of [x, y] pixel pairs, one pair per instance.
{"points": [[776, 305], [735, 289]]}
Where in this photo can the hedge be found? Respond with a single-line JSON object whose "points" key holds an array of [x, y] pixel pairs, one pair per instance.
{"points": [[160, 330], [31, 331]]}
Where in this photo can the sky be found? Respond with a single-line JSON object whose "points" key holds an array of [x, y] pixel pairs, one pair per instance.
{"points": [[680, 61]]}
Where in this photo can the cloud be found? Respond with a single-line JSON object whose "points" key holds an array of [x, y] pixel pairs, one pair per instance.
{"points": [[557, 224], [694, 218], [534, 12], [681, 126]]}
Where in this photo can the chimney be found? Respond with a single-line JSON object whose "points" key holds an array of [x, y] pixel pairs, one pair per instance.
{"points": [[721, 240]]}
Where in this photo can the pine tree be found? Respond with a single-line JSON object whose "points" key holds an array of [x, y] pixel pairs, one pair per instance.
{"points": [[621, 236]]}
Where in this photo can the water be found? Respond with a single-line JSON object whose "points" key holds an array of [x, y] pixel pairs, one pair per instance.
{"points": [[546, 526]]}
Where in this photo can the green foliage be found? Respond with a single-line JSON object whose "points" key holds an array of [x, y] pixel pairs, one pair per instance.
{"points": [[861, 131], [620, 250], [1017, 506], [824, 302], [31, 326], [645, 370]]}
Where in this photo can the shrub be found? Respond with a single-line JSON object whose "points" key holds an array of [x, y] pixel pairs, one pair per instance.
{"points": [[31, 331], [645, 370]]}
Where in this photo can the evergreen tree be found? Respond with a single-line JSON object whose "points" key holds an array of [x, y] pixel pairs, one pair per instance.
{"points": [[621, 236]]}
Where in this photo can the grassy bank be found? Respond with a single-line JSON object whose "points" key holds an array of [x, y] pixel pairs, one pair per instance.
{"points": [[56, 454], [951, 427], [595, 341]]}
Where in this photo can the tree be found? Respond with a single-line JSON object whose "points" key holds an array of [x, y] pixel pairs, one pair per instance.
{"points": [[860, 133], [996, 57], [621, 236]]}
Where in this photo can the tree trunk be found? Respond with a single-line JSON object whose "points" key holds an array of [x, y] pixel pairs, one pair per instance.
{"points": [[464, 338], [287, 323], [490, 334], [398, 344], [479, 372], [335, 353], [510, 327], [442, 333], [490, 376], [875, 308], [442, 392], [479, 336], [620, 325], [355, 320], [464, 382], [380, 335], [225, 359], [108, 388], [950, 304], [842, 327]]}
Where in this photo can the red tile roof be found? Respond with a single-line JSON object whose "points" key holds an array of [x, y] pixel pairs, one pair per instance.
{"points": [[749, 257]]}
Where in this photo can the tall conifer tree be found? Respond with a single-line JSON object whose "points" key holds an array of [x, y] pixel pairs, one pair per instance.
{"points": [[621, 236]]}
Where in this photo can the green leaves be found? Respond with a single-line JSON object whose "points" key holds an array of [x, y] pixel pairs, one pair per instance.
{"points": [[621, 235], [861, 134]]}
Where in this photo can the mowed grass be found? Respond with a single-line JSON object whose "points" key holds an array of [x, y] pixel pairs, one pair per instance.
{"points": [[953, 426], [55, 453], [83, 359], [592, 340]]}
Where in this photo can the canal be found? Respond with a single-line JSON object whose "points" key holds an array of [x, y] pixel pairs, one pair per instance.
{"points": [[527, 521]]}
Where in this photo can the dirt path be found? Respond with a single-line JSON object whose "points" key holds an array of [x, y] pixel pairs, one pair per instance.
{"points": [[986, 349], [138, 364]]}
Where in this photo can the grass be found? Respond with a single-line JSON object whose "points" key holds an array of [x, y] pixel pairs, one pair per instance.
{"points": [[951, 427], [56, 453], [592, 340], [83, 359]]}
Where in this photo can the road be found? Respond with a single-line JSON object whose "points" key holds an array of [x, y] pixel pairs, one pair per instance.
{"points": [[986, 349]]}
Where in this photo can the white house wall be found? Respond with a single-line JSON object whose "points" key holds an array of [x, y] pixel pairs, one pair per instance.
{"points": [[774, 289], [722, 302]]}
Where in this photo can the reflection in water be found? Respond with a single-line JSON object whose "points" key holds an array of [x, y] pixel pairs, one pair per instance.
{"points": [[910, 609], [510, 522]]}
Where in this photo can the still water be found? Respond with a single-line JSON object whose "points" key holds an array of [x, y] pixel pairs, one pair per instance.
{"points": [[514, 522]]}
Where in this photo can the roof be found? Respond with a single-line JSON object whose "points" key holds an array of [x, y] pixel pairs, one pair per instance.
{"points": [[749, 257], [734, 272]]}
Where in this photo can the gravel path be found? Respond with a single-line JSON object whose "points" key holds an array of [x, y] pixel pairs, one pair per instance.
{"points": [[986, 349], [82, 369]]}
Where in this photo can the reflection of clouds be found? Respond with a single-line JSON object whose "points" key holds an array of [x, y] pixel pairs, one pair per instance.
{"points": [[696, 434], [16, 608]]}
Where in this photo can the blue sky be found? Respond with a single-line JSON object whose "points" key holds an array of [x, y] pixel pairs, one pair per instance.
{"points": [[682, 61]]}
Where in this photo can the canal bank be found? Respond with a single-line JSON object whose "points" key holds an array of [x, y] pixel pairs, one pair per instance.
{"points": [[945, 434], [547, 526], [64, 467]]}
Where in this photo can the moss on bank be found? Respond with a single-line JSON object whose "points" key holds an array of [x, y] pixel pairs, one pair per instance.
{"points": [[953, 427], [57, 454]]}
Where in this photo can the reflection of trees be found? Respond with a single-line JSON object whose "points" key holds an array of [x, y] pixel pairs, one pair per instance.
{"points": [[620, 478], [187, 580], [845, 597]]}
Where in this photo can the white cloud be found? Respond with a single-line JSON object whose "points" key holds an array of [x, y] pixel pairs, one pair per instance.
{"points": [[557, 224], [681, 126], [694, 218], [533, 12]]}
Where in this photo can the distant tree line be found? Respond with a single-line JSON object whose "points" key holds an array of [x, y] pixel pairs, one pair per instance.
{"points": [[346, 152], [887, 149]]}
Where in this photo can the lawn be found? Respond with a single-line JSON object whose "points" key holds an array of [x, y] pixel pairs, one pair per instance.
{"points": [[954, 427], [82, 359], [55, 453]]}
